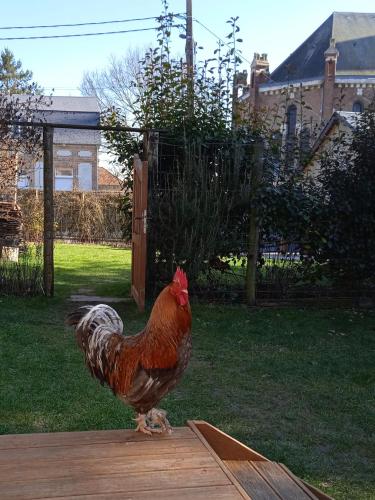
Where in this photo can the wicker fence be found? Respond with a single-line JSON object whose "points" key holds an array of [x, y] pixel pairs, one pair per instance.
{"points": [[85, 217]]}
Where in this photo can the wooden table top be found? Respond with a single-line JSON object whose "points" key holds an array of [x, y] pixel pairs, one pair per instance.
{"points": [[111, 464], [197, 462]]}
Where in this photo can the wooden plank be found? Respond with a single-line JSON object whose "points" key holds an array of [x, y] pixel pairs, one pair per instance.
{"points": [[253, 483], [221, 464], [106, 484], [199, 493], [88, 437], [139, 231], [226, 447], [318, 493], [281, 482], [43, 469], [102, 450]]}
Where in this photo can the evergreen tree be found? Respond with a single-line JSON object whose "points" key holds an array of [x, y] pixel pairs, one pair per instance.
{"points": [[13, 78]]}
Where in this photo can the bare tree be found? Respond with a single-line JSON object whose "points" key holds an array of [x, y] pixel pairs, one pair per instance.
{"points": [[114, 86], [20, 147], [117, 89]]}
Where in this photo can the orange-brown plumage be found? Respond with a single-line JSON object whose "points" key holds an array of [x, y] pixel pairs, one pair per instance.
{"points": [[143, 368]]}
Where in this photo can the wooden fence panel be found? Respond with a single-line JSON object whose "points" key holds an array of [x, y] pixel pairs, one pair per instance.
{"points": [[139, 232]]}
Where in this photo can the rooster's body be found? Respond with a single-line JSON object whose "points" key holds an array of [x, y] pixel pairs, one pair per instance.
{"points": [[143, 368]]}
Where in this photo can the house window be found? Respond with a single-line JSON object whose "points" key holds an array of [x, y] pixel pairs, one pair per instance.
{"points": [[291, 120], [23, 182], [357, 107], [64, 171], [64, 178], [38, 175], [85, 154], [85, 176], [64, 183], [63, 152]]}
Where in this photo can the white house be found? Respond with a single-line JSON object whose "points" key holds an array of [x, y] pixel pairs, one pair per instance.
{"points": [[75, 152]]}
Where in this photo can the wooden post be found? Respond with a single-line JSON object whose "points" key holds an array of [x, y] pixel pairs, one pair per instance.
{"points": [[253, 237], [48, 278], [153, 149], [153, 176]]}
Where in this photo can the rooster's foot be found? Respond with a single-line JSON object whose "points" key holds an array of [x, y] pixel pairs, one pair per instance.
{"points": [[159, 418], [143, 427]]}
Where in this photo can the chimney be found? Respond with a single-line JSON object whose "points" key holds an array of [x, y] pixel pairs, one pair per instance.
{"points": [[330, 57], [259, 74]]}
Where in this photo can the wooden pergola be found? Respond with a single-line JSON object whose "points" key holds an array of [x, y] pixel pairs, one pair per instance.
{"points": [[48, 194]]}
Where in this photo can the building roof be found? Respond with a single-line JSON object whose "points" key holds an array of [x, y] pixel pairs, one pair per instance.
{"points": [[347, 118], [81, 104], [71, 110], [106, 178], [354, 34], [64, 109]]}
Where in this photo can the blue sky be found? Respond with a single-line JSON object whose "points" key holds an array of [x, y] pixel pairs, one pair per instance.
{"points": [[276, 27]]}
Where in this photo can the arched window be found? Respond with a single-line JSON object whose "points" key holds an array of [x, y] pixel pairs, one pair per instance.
{"points": [[291, 120], [357, 107]]}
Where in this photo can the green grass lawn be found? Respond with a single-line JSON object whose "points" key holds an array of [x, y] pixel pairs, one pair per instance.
{"points": [[296, 385]]}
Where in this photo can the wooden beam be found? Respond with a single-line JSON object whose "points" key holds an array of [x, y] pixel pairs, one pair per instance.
{"points": [[253, 236], [225, 446], [76, 126], [48, 270]]}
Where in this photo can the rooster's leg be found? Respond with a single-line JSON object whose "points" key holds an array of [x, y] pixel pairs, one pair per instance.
{"points": [[159, 417], [142, 425]]}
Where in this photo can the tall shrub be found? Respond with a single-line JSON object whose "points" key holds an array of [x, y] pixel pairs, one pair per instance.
{"points": [[343, 221]]}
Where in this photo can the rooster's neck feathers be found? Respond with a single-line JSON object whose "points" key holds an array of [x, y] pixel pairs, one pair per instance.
{"points": [[168, 319]]}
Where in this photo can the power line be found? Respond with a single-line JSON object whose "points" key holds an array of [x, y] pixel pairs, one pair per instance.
{"points": [[83, 34], [83, 24], [221, 40], [226, 43]]}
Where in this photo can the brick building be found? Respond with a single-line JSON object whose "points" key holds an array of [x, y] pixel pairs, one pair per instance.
{"points": [[333, 69], [75, 152]]}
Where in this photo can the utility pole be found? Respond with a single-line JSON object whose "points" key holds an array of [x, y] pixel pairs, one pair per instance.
{"points": [[189, 54]]}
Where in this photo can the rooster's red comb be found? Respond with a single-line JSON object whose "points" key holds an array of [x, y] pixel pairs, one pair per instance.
{"points": [[180, 278]]}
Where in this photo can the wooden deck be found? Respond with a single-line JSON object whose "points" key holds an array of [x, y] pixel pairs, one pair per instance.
{"points": [[123, 464]]}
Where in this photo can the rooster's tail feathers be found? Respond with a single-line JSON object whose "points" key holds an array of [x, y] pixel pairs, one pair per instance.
{"points": [[75, 317], [88, 318]]}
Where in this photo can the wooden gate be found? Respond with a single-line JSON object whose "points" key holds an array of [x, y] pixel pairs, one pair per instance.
{"points": [[139, 232]]}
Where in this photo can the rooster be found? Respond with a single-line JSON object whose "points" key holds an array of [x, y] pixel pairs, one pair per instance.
{"points": [[140, 369]]}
